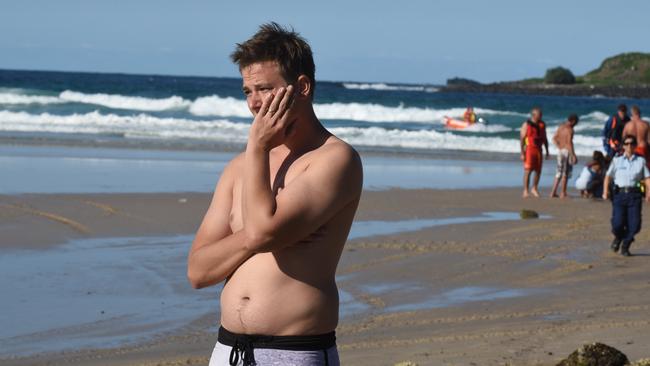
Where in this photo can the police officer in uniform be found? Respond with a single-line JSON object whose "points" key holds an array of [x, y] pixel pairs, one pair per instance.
{"points": [[627, 172]]}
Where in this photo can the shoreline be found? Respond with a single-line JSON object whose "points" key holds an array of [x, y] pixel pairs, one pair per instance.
{"points": [[208, 146], [99, 169]]}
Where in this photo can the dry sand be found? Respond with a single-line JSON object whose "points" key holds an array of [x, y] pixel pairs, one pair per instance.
{"points": [[561, 286]]}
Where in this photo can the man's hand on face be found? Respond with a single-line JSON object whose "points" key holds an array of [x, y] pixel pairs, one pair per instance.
{"points": [[270, 125]]}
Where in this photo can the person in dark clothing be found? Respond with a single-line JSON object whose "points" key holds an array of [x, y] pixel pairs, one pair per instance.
{"points": [[613, 131]]}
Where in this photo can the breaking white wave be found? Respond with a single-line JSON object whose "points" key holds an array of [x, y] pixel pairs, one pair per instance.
{"points": [[15, 98], [363, 112], [369, 112], [217, 106], [389, 87], [114, 101], [592, 121], [143, 125], [117, 101], [486, 128], [435, 140]]}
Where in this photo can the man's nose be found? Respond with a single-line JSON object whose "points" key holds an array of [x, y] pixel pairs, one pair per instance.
{"points": [[254, 101]]}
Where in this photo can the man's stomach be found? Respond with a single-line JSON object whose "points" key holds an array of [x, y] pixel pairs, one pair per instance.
{"points": [[262, 298]]}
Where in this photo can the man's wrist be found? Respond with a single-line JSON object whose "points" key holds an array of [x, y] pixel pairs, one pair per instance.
{"points": [[257, 147]]}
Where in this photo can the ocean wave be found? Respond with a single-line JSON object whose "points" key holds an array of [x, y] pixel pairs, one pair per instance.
{"points": [[486, 128], [16, 98], [389, 87], [217, 106], [363, 112], [117, 101], [592, 121], [143, 125]]}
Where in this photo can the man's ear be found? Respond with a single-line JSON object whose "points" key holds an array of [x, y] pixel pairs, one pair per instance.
{"points": [[304, 86]]}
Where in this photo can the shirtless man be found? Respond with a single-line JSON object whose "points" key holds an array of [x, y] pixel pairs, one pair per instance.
{"points": [[638, 128], [280, 215], [531, 139], [566, 155]]}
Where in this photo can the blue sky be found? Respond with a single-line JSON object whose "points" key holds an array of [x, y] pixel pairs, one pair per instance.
{"points": [[394, 41]]}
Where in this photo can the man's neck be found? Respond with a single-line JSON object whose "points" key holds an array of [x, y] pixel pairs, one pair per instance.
{"points": [[309, 134]]}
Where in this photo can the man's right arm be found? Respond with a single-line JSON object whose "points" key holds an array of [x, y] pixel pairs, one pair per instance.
{"points": [[216, 251]]}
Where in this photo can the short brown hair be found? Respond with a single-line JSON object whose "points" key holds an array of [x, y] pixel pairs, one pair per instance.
{"points": [[573, 118], [636, 110], [272, 42], [622, 108]]}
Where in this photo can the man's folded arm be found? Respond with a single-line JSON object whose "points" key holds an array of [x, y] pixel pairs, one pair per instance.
{"points": [[216, 252], [307, 203], [212, 263]]}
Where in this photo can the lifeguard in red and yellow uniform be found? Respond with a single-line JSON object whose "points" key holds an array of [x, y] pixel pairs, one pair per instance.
{"points": [[532, 138]]}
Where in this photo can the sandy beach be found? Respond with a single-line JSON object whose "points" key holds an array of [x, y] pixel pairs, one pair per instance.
{"points": [[457, 279], [119, 121]]}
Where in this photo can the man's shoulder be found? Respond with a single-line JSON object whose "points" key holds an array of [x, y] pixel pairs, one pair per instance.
{"points": [[338, 153], [235, 165], [334, 146]]}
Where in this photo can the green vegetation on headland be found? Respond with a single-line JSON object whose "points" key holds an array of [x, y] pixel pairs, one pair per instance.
{"points": [[626, 69], [624, 75]]}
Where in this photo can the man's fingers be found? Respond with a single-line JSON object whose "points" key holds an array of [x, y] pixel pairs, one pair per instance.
{"points": [[266, 102], [279, 95], [286, 103]]}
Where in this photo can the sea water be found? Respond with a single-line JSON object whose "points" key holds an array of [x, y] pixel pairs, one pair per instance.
{"points": [[198, 110]]}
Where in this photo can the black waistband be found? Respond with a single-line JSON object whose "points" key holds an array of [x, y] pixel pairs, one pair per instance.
{"points": [[633, 189], [289, 343]]}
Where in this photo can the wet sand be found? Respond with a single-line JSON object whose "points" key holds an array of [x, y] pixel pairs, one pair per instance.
{"points": [[492, 291]]}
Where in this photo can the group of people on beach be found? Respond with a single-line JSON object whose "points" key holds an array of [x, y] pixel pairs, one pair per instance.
{"points": [[533, 143], [620, 174]]}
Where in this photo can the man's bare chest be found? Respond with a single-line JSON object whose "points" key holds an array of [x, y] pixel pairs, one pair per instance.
{"points": [[282, 174]]}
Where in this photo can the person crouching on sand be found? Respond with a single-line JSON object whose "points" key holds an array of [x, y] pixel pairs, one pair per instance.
{"points": [[566, 156], [627, 172], [590, 180], [531, 139]]}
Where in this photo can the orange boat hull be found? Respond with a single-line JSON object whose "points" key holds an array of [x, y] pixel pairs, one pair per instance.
{"points": [[456, 123]]}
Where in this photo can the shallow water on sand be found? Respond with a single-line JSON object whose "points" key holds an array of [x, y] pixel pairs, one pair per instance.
{"points": [[96, 293], [460, 296], [113, 291], [363, 229], [45, 169]]}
